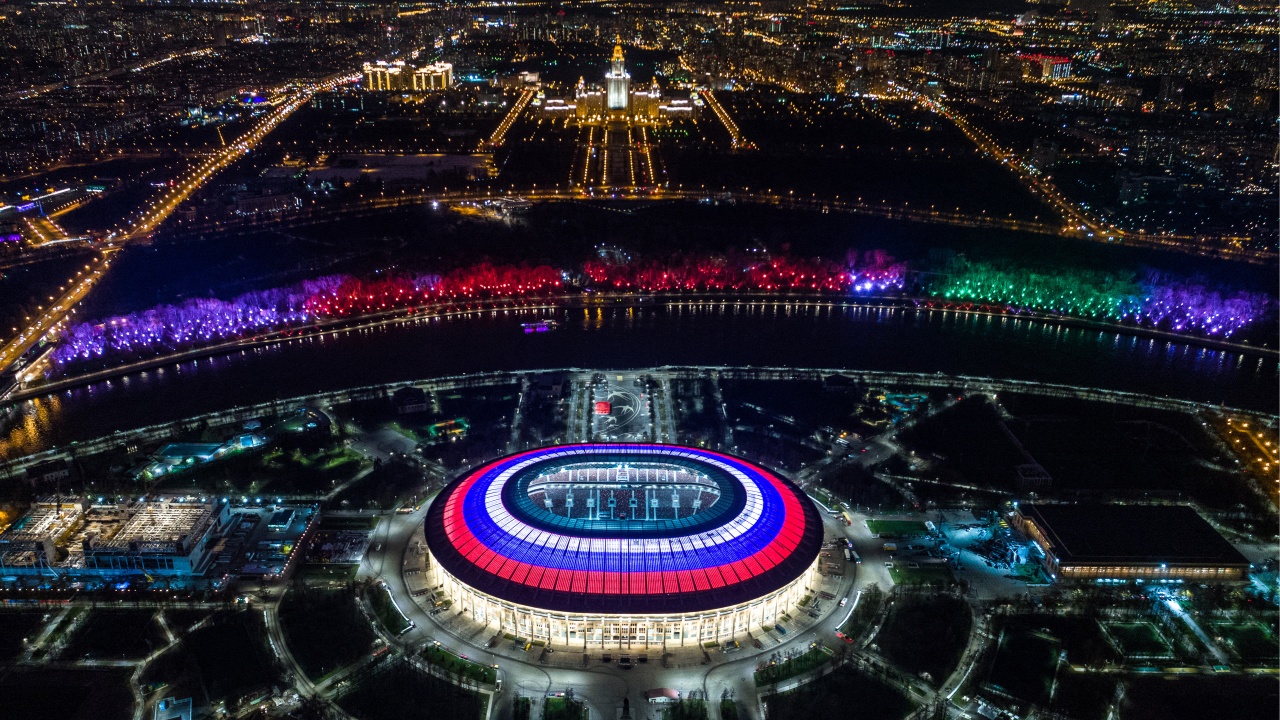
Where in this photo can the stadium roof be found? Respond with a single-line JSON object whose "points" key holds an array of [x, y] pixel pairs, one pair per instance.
{"points": [[1096, 533], [758, 536]]}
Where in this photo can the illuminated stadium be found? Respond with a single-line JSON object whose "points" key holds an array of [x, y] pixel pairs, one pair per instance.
{"points": [[619, 544]]}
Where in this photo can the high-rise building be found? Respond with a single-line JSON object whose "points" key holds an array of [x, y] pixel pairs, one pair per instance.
{"points": [[436, 76], [382, 75], [399, 76], [618, 81], [617, 101]]}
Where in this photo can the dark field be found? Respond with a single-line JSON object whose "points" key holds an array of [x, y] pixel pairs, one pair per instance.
{"points": [[399, 692], [16, 626], [324, 628], [845, 694], [926, 634], [116, 635], [229, 658], [1193, 698], [65, 694]]}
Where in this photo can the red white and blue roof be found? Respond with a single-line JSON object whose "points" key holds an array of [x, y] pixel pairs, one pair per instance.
{"points": [[760, 534]]}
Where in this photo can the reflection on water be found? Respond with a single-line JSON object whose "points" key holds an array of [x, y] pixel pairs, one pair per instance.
{"points": [[29, 431], [794, 334]]}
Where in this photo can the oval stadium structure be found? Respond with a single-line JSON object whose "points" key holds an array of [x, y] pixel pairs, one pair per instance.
{"points": [[623, 543]]}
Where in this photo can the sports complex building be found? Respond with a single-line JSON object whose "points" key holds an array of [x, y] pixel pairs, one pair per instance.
{"points": [[620, 544], [1103, 543]]}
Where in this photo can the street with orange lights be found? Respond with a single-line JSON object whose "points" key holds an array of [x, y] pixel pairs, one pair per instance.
{"points": [[1257, 449], [53, 315]]}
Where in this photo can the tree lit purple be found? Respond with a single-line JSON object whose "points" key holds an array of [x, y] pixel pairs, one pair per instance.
{"points": [[1155, 302]]}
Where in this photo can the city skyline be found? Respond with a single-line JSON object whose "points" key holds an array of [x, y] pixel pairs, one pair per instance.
{"points": [[665, 361]]}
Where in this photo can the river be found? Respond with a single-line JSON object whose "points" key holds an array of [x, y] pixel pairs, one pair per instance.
{"points": [[761, 334]]}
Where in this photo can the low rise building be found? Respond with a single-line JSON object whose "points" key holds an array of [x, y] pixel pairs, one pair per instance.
{"points": [[65, 536], [1104, 543]]}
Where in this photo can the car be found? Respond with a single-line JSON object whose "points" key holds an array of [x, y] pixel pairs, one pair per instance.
{"points": [[606, 658], [756, 642], [844, 601], [890, 565]]}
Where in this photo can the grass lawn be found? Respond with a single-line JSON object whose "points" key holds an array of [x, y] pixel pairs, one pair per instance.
{"points": [[1252, 642], [926, 634], [887, 529], [453, 664], [386, 611], [845, 694], [562, 709], [324, 628], [274, 469], [923, 575], [686, 710], [1025, 664], [774, 673], [1140, 640], [328, 571], [65, 624], [825, 498], [868, 605]]}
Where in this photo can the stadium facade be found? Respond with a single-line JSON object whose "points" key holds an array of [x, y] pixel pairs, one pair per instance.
{"points": [[623, 545]]}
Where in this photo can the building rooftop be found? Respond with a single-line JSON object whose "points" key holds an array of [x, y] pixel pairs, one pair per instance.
{"points": [[50, 518], [1138, 534], [163, 522]]}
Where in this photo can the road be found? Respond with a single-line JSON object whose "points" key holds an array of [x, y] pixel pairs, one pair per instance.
{"points": [[151, 217]]}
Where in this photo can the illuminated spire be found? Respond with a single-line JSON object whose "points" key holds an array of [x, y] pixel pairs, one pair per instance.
{"points": [[617, 50]]}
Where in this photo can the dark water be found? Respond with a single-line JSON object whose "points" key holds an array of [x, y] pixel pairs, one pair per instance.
{"points": [[779, 335]]}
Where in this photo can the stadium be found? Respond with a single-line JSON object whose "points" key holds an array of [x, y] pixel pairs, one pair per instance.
{"points": [[621, 545]]}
